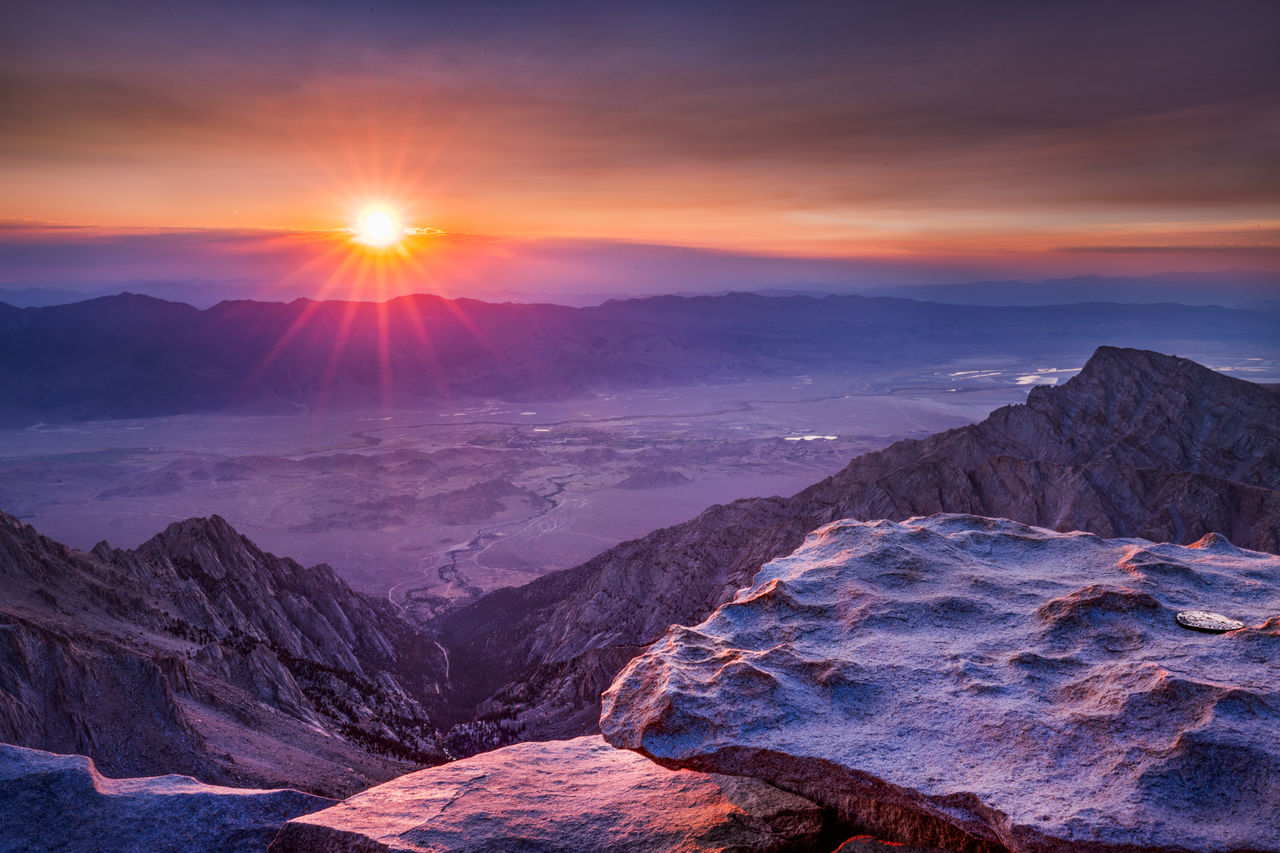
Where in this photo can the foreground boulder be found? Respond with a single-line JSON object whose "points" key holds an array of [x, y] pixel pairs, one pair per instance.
{"points": [[580, 795], [60, 802], [979, 684]]}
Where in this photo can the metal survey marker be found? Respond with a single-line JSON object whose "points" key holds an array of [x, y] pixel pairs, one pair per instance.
{"points": [[1203, 620]]}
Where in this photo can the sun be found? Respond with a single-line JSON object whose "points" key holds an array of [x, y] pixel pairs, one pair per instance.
{"points": [[379, 227]]}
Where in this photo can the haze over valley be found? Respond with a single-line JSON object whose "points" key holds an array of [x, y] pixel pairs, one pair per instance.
{"points": [[451, 496]]}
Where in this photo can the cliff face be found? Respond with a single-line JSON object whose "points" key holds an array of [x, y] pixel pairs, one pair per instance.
{"points": [[1138, 444], [978, 684], [201, 654]]}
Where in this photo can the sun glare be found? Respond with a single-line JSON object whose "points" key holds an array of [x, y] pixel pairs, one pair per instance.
{"points": [[379, 228]]}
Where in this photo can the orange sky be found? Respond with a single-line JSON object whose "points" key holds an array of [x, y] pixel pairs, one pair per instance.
{"points": [[884, 131]]}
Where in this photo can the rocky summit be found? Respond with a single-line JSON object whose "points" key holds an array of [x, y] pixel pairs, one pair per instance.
{"points": [[984, 685], [1138, 444], [62, 803], [580, 795]]}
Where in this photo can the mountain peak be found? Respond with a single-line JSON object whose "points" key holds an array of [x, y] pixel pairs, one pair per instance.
{"points": [[1107, 358], [1146, 390], [214, 527], [1123, 364], [1112, 366], [210, 544]]}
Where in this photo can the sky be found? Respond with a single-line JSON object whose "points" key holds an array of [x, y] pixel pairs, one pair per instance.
{"points": [[855, 141]]}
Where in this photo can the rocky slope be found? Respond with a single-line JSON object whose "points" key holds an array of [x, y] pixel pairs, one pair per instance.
{"points": [[1138, 444], [61, 802], [580, 795], [201, 654], [983, 685]]}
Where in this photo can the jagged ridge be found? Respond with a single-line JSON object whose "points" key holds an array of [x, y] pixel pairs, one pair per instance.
{"points": [[200, 653]]}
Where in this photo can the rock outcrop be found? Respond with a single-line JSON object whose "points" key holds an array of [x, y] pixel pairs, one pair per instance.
{"points": [[1138, 444], [979, 684], [54, 802], [198, 653], [580, 795]]}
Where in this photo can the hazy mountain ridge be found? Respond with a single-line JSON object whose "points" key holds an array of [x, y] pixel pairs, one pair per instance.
{"points": [[638, 271], [199, 653], [1236, 288], [135, 356], [1138, 444]]}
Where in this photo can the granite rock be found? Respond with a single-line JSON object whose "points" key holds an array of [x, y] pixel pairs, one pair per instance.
{"points": [[580, 795], [61, 803], [979, 684]]}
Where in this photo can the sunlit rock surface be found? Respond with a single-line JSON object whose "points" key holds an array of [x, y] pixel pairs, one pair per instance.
{"points": [[54, 802], [980, 684], [580, 795]]}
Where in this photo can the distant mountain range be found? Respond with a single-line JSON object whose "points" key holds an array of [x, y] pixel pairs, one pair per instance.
{"points": [[568, 273], [1233, 288], [135, 356], [1138, 444]]}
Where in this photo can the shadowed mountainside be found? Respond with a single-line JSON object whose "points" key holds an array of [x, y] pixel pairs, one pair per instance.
{"points": [[199, 653], [1138, 444], [135, 356]]}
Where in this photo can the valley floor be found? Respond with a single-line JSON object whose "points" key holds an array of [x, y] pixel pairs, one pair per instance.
{"points": [[437, 506]]}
